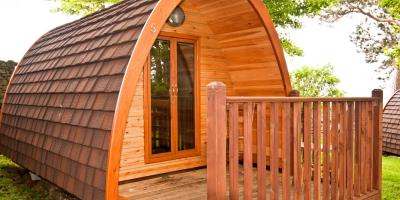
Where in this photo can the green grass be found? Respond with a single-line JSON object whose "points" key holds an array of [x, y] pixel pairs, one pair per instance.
{"points": [[16, 185], [391, 178]]}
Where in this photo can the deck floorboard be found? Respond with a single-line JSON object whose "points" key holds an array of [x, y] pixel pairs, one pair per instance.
{"points": [[188, 185]]}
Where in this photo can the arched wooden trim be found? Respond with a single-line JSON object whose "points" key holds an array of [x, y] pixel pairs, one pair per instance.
{"points": [[148, 35], [146, 38], [262, 12], [5, 94]]}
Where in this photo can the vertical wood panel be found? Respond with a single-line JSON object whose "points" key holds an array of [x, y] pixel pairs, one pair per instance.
{"points": [[297, 150], [349, 150], [357, 148], [317, 149], [334, 165], [261, 146], [248, 153], [286, 164], [370, 149], [364, 175], [307, 151], [342, 150], [233, 152], [274, 152], [326, 149]]}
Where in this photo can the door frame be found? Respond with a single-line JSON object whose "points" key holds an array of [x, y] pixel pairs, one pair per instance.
{"points": [[174, 38]]}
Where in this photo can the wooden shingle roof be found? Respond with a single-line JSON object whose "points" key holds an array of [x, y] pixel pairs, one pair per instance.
{"points": [[58, 112], [391, 125]]}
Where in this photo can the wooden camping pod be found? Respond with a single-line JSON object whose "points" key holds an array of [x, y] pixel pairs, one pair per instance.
{"points": [[75, 111]]}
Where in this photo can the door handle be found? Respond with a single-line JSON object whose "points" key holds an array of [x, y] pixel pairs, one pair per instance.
{"points": [[173, 90]]}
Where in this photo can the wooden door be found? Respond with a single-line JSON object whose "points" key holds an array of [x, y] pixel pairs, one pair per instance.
{"points": [[171, 100]]}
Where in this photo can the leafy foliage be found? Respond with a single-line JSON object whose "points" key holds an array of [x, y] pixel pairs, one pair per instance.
{"points": [[378, 35], [82, 7], [316, 82], [287, 13]]}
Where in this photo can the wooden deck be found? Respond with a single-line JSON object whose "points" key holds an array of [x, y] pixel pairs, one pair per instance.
{"points": [[181, 185], [192, 185]]}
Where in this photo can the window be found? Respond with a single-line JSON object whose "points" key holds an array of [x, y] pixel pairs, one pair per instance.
{"points": [[171, 103]]}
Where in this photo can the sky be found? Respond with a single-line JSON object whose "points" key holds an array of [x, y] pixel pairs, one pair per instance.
{"points": [[22, 22]]}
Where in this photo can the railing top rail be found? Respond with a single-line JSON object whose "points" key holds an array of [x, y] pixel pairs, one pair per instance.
{"points": [[259, 99]]}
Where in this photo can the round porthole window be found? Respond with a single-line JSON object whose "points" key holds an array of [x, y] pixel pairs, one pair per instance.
{"points": [[177, 18]]}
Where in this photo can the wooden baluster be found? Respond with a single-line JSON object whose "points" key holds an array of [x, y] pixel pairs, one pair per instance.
{"points": [[216, 141], [261, 148], [377, 139], [349, 150], [326, 149], [334, 165], [274, 154], [364, 178], [286, 147], [297, 150], [233, 152], [357, 148], [307, 151], [342, 150], [370, 151], [293, 93], [317, 150], [248, 152]]}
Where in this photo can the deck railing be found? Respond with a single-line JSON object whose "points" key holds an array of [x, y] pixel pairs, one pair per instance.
{"points": [[311, 148]]}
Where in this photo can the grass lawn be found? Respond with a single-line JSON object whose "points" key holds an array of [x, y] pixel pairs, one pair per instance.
{"points": [[391, 178], [15, 183]]}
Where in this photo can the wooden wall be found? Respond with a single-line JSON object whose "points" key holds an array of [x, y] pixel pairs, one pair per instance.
{"points": [[235, 49]]}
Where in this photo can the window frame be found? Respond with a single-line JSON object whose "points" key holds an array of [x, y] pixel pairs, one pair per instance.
{"points": [[174, 154]]}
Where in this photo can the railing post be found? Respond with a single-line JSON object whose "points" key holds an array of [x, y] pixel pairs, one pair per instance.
{"points": [[293, 93], [216, 141], [377, 128]]}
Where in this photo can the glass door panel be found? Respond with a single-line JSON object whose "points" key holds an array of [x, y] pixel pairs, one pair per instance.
{"points": [[171, 100], [185, 94], [160, 97]]}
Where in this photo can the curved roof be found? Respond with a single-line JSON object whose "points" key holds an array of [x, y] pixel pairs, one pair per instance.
{"points": [[65, 109], [60, 104], [391, 125]]}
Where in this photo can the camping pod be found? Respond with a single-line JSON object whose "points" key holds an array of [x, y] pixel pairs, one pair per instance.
{"points": [[121, 94]]}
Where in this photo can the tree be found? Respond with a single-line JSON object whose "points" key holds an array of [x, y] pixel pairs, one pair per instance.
{"points": [[316, 82], [286, 14], [82, 7], [378, 35]]}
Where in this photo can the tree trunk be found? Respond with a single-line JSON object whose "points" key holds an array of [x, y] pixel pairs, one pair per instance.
{"points": [[396, 85]]}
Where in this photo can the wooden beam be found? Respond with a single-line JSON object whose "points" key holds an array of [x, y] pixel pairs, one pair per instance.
{"points": [[377, 139], [216, 141]]}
